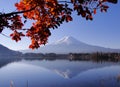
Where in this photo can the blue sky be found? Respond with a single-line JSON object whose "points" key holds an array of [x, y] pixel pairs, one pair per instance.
{"points": [[103, 31]]}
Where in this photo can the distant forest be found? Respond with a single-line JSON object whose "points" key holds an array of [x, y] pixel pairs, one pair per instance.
{"points": [[98, 56]]}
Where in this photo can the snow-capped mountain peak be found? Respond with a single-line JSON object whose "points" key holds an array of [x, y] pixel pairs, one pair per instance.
{"points": [[67, 40]]}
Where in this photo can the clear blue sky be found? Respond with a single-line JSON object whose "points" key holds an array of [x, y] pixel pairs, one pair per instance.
{"points": [[103, 31]]}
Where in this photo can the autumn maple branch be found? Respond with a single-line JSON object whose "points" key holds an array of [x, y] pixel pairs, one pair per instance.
{"points": [[13, 13]]}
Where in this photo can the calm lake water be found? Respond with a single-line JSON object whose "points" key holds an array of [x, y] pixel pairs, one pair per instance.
{"points": [[60, 73]]}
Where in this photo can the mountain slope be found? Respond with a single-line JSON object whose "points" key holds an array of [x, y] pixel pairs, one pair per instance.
{"points": [[4, 51], [70, 45]]}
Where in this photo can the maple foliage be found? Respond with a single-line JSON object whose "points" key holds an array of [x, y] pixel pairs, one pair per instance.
{"points": [[47, 15]]}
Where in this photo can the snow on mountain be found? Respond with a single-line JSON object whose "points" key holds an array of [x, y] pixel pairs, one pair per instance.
{"points": [[70, 45], [67, 40]]}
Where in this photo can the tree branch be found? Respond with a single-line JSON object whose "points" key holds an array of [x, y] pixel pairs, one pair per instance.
{"points": [[4, 35], [64, 2], [19, 12]]}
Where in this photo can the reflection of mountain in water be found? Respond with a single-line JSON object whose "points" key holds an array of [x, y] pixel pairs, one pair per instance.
{"points": [[65, 74], [43, 74], [68, 69], [5, 61]]}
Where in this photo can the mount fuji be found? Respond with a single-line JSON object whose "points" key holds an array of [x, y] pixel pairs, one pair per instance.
{"points": [[70, 45]]}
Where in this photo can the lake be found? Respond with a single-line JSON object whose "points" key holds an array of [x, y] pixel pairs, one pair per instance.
{"points": [[60, 73]]}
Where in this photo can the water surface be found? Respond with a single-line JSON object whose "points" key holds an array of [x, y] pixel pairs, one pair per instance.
{"points": [[60, 73]]}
